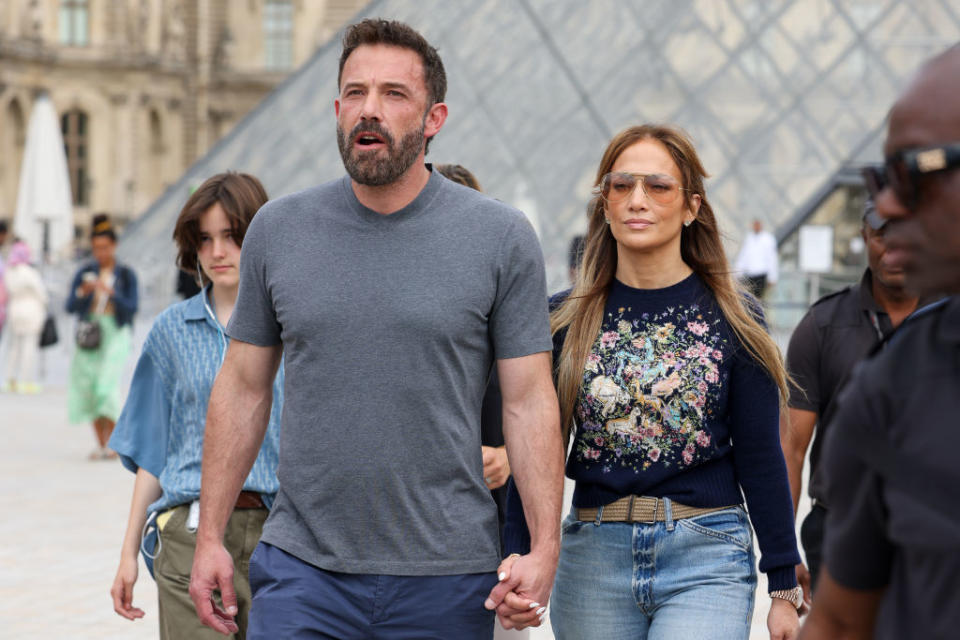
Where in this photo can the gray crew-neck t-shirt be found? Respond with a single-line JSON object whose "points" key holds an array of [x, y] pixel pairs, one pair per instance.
{"points": [[390, 325]]}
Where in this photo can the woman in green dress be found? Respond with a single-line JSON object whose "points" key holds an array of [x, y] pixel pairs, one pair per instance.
{"points": [[104, 293]]}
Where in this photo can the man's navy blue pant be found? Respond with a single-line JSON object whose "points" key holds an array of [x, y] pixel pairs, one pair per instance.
{"points": [[293, 600]]}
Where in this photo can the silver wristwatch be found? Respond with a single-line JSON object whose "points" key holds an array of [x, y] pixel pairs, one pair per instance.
{"points": [[793, 596]]}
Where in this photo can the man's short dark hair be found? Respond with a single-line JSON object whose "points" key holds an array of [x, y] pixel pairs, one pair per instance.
{"points": [[3, 227], [398, 34]]}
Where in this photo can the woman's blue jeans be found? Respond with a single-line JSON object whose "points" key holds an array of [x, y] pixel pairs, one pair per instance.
{"points": [[693, 579]]}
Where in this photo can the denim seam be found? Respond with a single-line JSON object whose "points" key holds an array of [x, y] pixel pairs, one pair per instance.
{"points": [[693, 526]]}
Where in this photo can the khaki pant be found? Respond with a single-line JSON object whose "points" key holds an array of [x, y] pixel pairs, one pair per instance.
{"points": [[178, 618]]}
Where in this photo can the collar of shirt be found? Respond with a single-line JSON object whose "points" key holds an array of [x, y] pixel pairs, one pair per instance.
{"points": [[867, 302], [194, 309], [950, 323]]}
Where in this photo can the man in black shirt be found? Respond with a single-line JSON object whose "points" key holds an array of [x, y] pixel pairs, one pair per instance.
{"points": [[892, 546], [838, 331]]}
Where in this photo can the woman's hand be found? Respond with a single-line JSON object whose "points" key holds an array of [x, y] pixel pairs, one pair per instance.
{"points": [[517, 611], [122, 589], [496, 467], [783, 621]]}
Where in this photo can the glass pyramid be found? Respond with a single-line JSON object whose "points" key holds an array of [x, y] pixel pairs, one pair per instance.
{"points": [[778, 95]]}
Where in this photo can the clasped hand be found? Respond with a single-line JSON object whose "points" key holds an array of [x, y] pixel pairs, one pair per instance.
{"points": [[521, 595]]}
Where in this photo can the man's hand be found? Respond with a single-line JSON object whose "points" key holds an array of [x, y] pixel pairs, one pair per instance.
{"points": [[213, 571], [803, 579], [520, 599], [783, 621], [496, 467], [122, 589]]}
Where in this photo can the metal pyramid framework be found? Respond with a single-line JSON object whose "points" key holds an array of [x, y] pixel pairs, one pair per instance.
{"points": [[778, 95]]}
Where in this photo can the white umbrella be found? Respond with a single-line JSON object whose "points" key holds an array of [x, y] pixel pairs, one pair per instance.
{"points": [[44, 201]]}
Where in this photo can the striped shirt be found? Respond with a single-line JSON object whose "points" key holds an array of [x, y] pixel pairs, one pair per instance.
{"points": [[162, 423]]}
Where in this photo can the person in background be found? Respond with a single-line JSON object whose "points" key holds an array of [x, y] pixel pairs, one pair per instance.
{"points": [[159, 436], [671, 388], [459, 174], [757, 261], [26, 312], [105, 292], [838, 331], [187, 286], [3, 290], [892, 545]]}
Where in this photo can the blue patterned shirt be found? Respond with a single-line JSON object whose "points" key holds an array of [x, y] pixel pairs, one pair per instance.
{"points": [[161, 426]]}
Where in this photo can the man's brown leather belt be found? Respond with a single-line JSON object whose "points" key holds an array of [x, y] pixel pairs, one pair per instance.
{"points": [[249, 500], [643, 509]]}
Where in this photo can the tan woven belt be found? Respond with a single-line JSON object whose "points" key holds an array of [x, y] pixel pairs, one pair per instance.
{"points": [[643, 509]]}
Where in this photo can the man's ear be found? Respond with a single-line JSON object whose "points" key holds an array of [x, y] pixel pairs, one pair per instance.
{"points": [[433, 122]]}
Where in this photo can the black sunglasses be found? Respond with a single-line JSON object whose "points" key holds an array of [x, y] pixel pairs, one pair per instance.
{"points": [[873, 219], [903, 170]]}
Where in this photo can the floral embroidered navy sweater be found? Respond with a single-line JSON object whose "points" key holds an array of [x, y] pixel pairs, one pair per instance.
{"points": [[672, 405]]}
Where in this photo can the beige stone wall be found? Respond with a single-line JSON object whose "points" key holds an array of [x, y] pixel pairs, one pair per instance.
{"points": [[160, 81]]}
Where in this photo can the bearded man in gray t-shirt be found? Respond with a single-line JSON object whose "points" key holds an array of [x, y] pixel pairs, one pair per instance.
{"points": [[390, 293]]}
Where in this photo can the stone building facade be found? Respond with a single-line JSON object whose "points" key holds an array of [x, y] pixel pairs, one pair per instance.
{"points": [[144, 87]]}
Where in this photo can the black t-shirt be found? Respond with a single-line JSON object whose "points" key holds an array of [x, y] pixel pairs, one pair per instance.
{"points": [[890, 464], [838, 331]]}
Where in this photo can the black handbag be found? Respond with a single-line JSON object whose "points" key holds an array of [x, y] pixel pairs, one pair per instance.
{"points": [[88, 334], [88, 328], [48, 336]]}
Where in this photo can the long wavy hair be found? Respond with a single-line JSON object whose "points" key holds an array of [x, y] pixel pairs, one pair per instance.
{"points": [[700, 248]]}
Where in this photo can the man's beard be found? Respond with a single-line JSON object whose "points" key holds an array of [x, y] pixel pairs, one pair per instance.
{"points": [[366, 168]]}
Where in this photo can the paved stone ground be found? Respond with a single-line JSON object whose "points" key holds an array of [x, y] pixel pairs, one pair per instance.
{"points": [[63, 523], [64, 519]]}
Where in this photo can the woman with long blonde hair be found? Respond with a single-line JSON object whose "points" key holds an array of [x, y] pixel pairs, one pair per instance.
{"points": [[670, 388]]}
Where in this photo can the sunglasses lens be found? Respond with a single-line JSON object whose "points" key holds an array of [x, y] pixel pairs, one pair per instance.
{"points": [[873, 219], [661, 189], [898, 177], [618, 186], [874, 179]]}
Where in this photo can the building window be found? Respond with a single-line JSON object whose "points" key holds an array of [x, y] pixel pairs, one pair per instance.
{"points": [[74, 22], [278, 34], [156, 134], [75, 136]]}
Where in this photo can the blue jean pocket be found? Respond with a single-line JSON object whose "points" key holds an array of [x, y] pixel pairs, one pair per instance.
{"points": [[729, 525], [571, 524]]}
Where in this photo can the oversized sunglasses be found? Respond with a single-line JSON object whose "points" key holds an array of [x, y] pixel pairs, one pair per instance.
{"points": [[903, 170], [617, 186]]}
